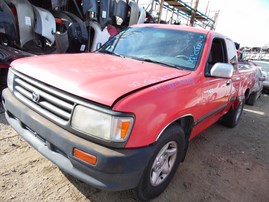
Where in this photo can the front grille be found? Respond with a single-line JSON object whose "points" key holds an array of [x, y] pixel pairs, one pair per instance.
{"points": [[44, 99]]}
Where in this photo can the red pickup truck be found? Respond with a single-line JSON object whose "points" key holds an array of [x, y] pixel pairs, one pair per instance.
{"points": [[122, 117]]}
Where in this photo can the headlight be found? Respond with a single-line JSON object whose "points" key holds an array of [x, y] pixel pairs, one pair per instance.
{"points": [[10, 80], [101, 125]]}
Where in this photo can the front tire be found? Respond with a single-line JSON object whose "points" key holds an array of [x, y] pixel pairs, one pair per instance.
{"points": [[163, 164]]}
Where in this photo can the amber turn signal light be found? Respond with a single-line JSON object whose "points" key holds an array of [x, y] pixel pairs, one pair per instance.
{"points": [[84, 156], [124, 129]]}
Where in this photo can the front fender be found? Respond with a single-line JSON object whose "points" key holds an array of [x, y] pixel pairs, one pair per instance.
{"points": [[158, 106]]}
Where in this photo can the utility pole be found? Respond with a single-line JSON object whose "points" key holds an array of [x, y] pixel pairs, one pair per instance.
{"points": [[166, 15], [160, 12], [213, 27], [172, 17], [193, 13], [206, 10], [152, 6]]}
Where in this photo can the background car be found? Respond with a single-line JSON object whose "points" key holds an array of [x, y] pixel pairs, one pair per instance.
{"points": [[265, 68], [7, 55], [258, 83]]}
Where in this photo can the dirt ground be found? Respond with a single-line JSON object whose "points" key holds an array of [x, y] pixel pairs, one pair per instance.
{"points": [[222, 164]]}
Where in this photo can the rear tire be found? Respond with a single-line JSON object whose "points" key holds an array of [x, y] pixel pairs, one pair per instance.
{"points": [[231, 119], [163, 164], [252, 99], [265, 91]]}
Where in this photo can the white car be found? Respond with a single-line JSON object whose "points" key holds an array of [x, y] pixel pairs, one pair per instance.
{"points": [[265, 69]]}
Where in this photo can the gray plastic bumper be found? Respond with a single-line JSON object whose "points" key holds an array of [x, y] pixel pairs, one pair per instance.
{"points": [[116, 169]]}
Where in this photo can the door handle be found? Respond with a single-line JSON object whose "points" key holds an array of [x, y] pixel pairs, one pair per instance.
{"points": [[228, 83]]}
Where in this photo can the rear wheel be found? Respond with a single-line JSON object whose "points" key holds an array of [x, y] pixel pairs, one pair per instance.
{"points": [[265, 91], [163, 164], [252, 98], [231, 119]]}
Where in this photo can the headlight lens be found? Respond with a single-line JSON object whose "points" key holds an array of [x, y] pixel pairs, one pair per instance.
{"points": [[101, 125], [10, 80]]}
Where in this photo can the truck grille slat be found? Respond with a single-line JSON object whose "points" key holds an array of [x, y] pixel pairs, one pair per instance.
{"points": [[39, 109], [45, 95], [24, 92], [44, 99], [54, 109]]}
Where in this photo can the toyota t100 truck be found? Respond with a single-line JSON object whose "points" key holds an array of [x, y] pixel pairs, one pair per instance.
{"points": [[122, 117]]}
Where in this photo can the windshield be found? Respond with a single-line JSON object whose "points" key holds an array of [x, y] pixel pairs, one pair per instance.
{"points": [[174, 48]]}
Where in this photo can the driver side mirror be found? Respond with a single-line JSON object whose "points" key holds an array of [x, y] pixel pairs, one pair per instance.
{"points": [[222, 70]]}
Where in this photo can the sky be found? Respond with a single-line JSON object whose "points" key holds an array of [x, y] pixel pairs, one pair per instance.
{"points": [[244, 21]]}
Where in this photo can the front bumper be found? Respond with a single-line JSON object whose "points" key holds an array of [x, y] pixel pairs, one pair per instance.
{"points": [[116, 169]]}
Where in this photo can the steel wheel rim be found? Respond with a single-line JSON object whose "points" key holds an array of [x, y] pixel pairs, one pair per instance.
{"points": [[163, 163]]}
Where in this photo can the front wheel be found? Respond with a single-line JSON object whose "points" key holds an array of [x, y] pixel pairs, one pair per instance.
{"points": [[231, 119], [163, 164]]}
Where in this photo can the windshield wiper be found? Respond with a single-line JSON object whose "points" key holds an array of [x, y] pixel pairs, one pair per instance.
{"points": [[157, 62], [111, 53]]}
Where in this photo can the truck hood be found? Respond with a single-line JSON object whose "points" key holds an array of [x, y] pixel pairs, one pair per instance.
{"points": [[97, 77]]}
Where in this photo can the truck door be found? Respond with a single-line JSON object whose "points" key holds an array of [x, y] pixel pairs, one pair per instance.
{"points": [[215, 91], [232, 58]]}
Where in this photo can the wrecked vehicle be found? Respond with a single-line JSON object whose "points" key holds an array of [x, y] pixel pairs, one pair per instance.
{"points": [[256, 83], [7, 55], [122, 117]]}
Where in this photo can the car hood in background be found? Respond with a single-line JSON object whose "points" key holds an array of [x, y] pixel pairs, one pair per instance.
{"points": [[8, 54]]}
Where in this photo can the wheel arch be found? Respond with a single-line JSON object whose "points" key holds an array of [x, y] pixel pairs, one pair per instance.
{"points": [[186, 122]]}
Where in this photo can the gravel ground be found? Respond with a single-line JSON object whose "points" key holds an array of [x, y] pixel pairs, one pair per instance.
{"points": [[222, 164]]}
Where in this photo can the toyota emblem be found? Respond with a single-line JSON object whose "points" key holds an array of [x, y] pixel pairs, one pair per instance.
{"points": [[35, 97]]}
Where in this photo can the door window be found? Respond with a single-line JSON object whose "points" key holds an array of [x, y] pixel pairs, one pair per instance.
{"points": [[217, 54], [232, 55]]}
